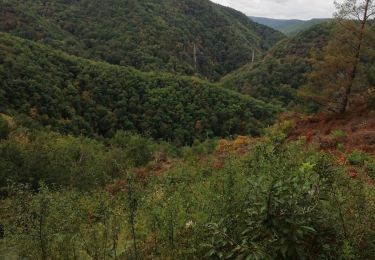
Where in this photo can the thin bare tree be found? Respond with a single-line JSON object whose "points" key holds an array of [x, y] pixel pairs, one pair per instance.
{"points": [[358, 13]]}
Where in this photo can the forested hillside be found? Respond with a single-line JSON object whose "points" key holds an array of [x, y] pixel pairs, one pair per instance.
{"points": [[84, 97], [284, 69], [187, 36], [115, 143], [297, 61], [305, 25], [277, 24], [288, 27]]}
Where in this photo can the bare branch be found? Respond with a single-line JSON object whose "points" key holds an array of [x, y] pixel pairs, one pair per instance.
{"points": [[371, 14]]}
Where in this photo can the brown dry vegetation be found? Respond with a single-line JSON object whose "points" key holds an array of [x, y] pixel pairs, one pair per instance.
{"points": [[357, 128]]}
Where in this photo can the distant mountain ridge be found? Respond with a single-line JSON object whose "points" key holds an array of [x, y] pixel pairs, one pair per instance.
{"points": [[288, 27]]}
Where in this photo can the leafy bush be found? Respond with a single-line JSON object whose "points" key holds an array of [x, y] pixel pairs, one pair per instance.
{"points": [[4, 128], [362, 159], [280, 201], [283, 193], [66, 161], [370, 165], [139, 149], [338, 134], [357, 158], [64, 224]]}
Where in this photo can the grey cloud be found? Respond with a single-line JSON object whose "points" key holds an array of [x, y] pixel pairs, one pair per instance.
{"points": [[283, 9]]}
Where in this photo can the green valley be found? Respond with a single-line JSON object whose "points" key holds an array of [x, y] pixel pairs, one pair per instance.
{"points": [[181, 129]]}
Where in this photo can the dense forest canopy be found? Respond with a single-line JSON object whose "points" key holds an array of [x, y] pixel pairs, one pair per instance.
{"points": [[84, 97], [289, 65], [185, 36], [284, 69]]}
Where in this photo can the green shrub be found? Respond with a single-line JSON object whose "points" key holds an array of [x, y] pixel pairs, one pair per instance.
{"points": [[297, 202], [370, 165], [339, 137], [280, 201], [4, 128], [338, 134], [137, 148], [361, 159], [63, 161], [357, 158], [199, 149]]}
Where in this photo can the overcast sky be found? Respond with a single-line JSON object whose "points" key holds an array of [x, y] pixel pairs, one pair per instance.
{"points": [[282, 9]]}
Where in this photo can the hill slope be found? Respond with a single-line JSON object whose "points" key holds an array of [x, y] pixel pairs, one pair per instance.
{"points": [[79, 96], [294, 29], [146, 34], [284, 68], [288, 27]]}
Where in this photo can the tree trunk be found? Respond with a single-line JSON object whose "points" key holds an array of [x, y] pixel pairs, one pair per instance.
{"points": [[40, 233], [353, 73]]}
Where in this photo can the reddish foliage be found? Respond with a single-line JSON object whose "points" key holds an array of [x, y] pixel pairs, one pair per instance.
{"points": [[141, 173], [116, 187], [342, 159], [353, 173], [359, 127], [218, 164], [370, 181]]}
